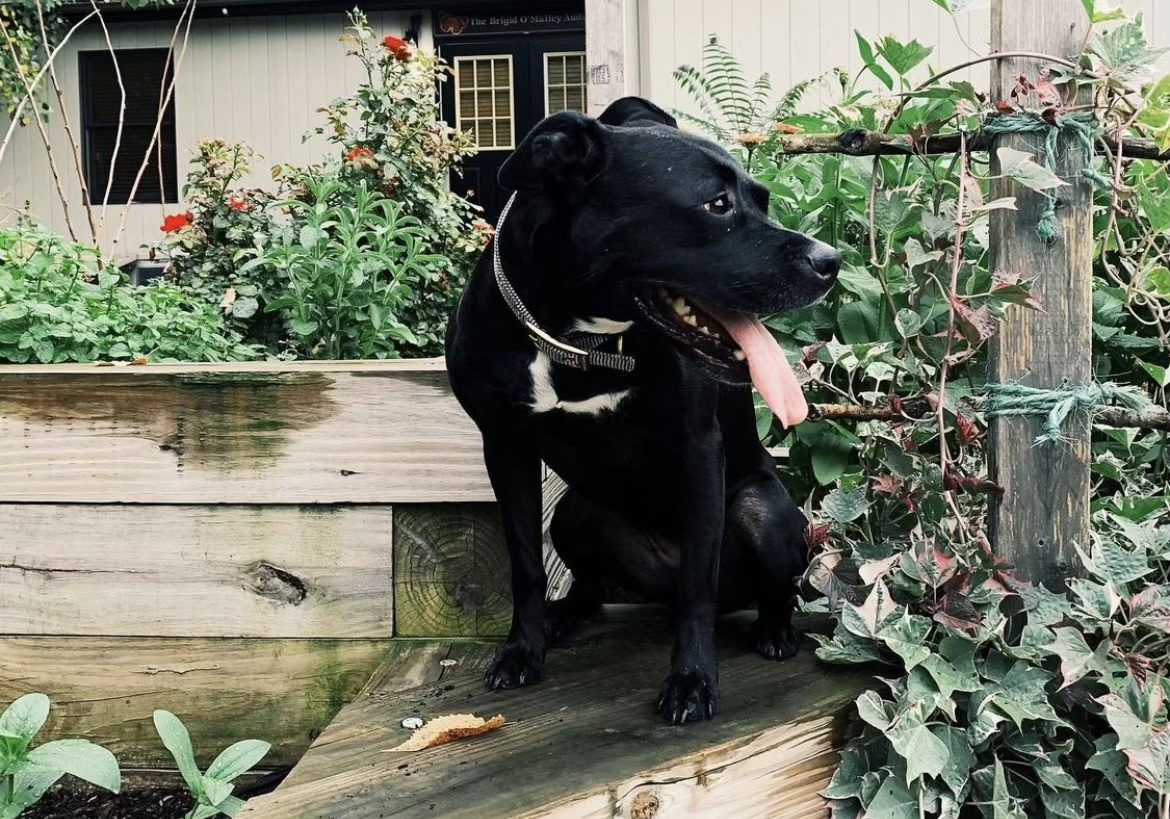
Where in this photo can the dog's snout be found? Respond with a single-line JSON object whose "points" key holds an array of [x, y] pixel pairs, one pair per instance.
{"points": [[824, 261]]}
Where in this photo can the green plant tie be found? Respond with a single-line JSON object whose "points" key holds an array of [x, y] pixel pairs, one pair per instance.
{"points": [[1080, 125], [1055, 406]]}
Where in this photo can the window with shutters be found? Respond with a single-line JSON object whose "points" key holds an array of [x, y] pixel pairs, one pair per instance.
{"points": [[564, 82], [145, 74], [484, 100]]}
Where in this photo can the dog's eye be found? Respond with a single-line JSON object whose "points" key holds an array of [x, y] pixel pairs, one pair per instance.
{"points": [[719, 205]]}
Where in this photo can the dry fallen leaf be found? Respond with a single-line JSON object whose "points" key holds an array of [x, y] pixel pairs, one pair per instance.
{"points": [[449, 728]]}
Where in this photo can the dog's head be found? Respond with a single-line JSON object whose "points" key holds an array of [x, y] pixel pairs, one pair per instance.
{"points": [[667, 227]]}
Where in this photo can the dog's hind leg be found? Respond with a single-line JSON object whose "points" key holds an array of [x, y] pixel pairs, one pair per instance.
{"points": [[597, 544], [765, 538]]}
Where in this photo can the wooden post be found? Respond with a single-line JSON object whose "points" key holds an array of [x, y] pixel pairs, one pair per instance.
{"points": [[1045, 506], [611, 51]]}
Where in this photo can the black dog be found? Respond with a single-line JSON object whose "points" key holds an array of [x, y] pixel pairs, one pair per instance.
{"points": [[631, 241]]}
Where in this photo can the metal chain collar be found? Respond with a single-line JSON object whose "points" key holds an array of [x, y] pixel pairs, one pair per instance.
{"points": [[562, 352]]}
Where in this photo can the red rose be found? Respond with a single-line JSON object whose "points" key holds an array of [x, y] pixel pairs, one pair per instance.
{"points": [[236, 203], [176, 222], [360, 152], [398, 47]]}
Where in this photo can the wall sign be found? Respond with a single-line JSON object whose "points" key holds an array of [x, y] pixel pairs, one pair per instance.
{"points": [[458, 24]]}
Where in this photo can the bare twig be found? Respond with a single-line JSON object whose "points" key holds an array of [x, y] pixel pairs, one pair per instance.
{"points": [[66, 122], [30, 95], [121, 126], [921, 409], [189, 12], [53, 169]]}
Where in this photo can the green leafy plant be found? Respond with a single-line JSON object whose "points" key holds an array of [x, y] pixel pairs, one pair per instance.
{"points": [[390, 154], [57, 303], [212, 789], [27, 772], [998, 698]]}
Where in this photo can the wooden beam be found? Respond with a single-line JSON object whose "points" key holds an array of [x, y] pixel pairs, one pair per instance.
{"points": [[105, 690], [611, 54], [368, 432], [451, 576], [586, 742], [1045, 506], [212, 571]]}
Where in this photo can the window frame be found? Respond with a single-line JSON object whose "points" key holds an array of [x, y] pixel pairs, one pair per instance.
{"points": [[168, 194], [563, 86], [511, 89]]}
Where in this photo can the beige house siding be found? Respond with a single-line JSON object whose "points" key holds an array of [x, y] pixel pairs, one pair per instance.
{"points": [[794, 40], [256, 79]]}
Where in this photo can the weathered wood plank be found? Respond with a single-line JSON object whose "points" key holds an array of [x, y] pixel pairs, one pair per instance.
{"points": [[1045, 505], [243, 433], [451, 575], [105, 690], [587, 742], [211, 571]]}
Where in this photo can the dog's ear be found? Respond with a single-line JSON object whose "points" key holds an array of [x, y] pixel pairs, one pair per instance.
{"points": [[562, 152], [635, 111]]}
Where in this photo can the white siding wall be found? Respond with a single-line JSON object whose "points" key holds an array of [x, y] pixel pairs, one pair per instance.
{"points": [[794, 40], [256, 79]]}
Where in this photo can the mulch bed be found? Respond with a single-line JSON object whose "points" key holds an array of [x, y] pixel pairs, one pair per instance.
{"points": [[148, 803]]}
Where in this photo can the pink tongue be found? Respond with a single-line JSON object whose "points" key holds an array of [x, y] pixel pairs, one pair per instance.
{"points": [[771, 373]]}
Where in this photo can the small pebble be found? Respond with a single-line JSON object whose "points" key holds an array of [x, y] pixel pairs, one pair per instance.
{"points": [[413, 723]]}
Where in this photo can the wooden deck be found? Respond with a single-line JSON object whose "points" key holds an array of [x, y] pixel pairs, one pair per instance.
{"points": [[584, 743]]}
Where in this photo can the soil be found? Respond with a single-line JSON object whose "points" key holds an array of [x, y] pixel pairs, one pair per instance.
{"points": [[148, 803]]}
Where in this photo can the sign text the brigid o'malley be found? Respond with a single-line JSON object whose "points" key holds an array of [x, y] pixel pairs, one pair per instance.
{"points": [[457, 24]]}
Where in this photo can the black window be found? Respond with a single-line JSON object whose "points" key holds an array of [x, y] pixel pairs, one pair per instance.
{"points": [[145, 75]]}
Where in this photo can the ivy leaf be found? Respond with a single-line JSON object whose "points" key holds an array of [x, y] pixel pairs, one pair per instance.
{"points": [[1150, 764], [1021, 695], [906, 637], [893, 801], [924, 752], [1020, 166], [868, 618], [960, 759], [1132, 731], [842, 507], [846, 781], [1076, 658], [846, 649], [872, 709], [1113, 765], [908, 323]]}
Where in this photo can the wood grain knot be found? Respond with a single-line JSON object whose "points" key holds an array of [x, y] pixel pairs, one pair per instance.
{"points": [[275, 583], [644, 806]]}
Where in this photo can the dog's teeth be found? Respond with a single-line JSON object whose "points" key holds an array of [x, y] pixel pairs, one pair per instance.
{"points": [[704, 329], [740, 355], [691, 320]]}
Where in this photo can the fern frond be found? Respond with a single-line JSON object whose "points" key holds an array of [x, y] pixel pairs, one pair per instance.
{"points": [[698, 86], [713, 129], [761, 93], [792, 97], [729, 89]]}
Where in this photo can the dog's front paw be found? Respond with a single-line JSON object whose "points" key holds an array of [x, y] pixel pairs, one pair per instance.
{"points": [[776, 642], [516, 665], [688, 696]]}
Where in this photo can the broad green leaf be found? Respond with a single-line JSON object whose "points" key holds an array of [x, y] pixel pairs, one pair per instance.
{"points": [[1113, 765], [906, 637], [310, 235], [903, 57], [80, 758], [847, 649], [1150, 764], [868, 618], [1100, 11], [893, 801], [231, 806], [174, 735], [237, 759], [873, 710], [245, 307], [870, 61], [1076, 658], [846, 781], [960, 759], [1160, 375], [842, 507], [303, 327], [1021, 694], [215, 790], [908, 323], [25, 717], [924, 752], [1132, 731], [28, 786], [1021, 167]]}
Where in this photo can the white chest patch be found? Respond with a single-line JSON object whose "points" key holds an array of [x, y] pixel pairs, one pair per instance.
{"points": [[545, 398]]}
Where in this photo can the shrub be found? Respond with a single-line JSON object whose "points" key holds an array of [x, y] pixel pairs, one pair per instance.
{"points": [[391, 160], [57, 304]]}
